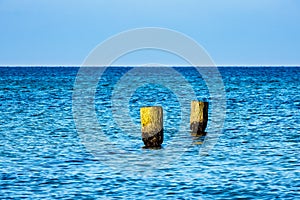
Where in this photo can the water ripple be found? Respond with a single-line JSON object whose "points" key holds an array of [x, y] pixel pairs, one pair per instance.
{"points": [[257, 156]]}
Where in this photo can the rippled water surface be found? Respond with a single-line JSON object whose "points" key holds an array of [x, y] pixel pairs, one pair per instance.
{"points": [[45, 154]]}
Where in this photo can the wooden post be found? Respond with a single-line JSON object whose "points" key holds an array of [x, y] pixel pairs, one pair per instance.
{"points": [[199, 117], [152, 126]]}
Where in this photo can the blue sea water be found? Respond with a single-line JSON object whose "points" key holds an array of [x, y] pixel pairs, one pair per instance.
{"points": [[43, 153]]}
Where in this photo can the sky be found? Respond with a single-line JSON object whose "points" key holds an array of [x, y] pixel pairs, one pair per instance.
{"points": [[233, 32]]}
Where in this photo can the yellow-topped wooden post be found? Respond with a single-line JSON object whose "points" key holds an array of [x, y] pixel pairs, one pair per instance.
{"points": [[199, 117], [152, 126]]}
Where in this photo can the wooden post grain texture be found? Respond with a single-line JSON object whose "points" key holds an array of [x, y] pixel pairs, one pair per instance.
{"points": [[199, 117], [152, 126]]}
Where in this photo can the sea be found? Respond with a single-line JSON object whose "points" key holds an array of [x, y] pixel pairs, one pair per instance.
{"points": [[75, 133]]}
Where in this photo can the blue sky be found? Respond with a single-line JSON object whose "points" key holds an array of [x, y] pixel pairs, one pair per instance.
{"points": [[233, 32]]}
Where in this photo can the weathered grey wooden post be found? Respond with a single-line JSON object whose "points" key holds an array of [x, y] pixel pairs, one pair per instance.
{"points": [[152, 126], [199, 117]]}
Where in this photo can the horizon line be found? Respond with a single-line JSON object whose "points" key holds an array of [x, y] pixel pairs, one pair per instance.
{"points": [[150, 65]]}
